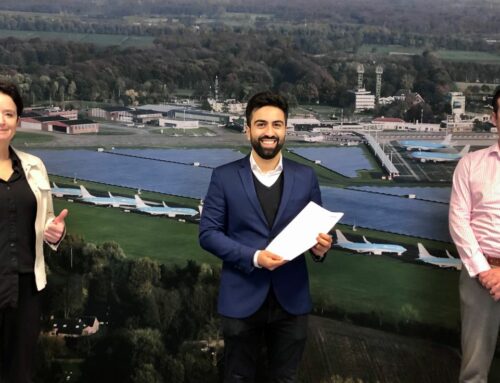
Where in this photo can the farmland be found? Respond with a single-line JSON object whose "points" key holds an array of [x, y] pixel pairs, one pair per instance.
{"points": [[341, 350], [86, 38], [443, 54]]}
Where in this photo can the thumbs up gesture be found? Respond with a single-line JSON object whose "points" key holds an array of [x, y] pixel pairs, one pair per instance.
{"points": [[55, 229]]}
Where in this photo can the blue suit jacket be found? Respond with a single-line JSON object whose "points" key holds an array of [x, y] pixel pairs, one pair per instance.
{"points": [[233, 227]]}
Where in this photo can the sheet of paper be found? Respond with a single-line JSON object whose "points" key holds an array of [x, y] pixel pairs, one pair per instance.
{"points": [[300, 234]]}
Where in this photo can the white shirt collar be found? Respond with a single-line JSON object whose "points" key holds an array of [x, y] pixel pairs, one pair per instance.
{"points": [[256, 169]]}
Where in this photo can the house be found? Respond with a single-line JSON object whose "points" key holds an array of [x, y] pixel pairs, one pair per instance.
{"points": [[39, 122], [82, 326], [199, 115], [143, 116], [81, 126], [112, 113], [409, 97]]}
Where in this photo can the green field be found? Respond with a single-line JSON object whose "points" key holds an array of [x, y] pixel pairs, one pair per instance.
{"points": [[391, 288], [235, 19], [183, 132], [448, 55], [388, 49], [328, 177], [166, 240], [97, 39], [21, 138], [474, 56]]}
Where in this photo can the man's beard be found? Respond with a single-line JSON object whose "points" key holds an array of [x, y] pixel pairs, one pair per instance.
{"points": [[266, 153]]}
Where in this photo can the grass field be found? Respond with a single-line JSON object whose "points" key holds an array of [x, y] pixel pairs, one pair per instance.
{"points": [[473, 56], [444, 54], [113, 132], [27, 137], [97, 39], [328, 177], [166, 240], [392, 289], [235, 19], [183, 132]]}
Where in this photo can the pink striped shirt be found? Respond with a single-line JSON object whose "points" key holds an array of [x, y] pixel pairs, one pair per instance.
{"points": [[475, 208]]}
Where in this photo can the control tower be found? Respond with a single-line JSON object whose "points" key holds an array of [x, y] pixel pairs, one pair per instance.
{"points": [[378, 86], [361, 71]]}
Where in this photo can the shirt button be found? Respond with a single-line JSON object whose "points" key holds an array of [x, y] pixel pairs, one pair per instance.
{"points": [[8, 187], [12, 244]]}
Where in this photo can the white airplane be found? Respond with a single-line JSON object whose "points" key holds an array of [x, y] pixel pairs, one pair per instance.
{"points": [[426, 145], [141, 206], [367, 246], [61, 192], [105, 201], [440, 157], [424, 256], [127, 201]]}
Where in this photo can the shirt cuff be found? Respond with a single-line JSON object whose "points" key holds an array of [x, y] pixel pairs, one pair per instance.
{"points": [[256, 259], [477, 264]]}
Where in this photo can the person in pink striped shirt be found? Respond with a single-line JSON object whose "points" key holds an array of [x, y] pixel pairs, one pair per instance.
{"points": [[474, 220]]}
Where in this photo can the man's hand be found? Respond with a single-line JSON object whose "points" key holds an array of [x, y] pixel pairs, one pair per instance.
{"points": [[490, 279], [269, 260], [55, 229], [324, 243]]}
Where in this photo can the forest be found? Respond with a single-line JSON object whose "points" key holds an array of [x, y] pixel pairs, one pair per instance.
{"points": [[158, 323], [308, 65], [423, 16], [307, 50]]}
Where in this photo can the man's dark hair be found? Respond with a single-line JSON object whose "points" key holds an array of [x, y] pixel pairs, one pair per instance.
{"points": [[267, 98], [11, 90], [494, 102]]}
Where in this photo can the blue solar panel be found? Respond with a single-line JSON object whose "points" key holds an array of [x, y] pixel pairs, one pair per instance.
{"points": [[361, 208], [346, 161], [389, 213], [438, 194], [131, 172], [208, 157]]}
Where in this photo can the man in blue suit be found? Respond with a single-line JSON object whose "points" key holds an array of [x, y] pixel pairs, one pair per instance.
{"points": [[262, 297]]}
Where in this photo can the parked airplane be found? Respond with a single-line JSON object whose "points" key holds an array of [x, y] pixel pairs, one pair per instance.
{"points": [[440, 157], [424, 256], [127, 201], [426, 145], [140, 205], [106, 201], [60, 192], [367, 246]]}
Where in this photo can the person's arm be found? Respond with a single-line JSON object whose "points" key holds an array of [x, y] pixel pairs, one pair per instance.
{"points": [[459, 221], [212, 235], [54, 228]]}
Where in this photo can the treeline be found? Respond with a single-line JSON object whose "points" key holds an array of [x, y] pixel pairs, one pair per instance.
{"points": [[244, 61], [330, 34], [74, 24], [419, 16], [160, 322]]}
